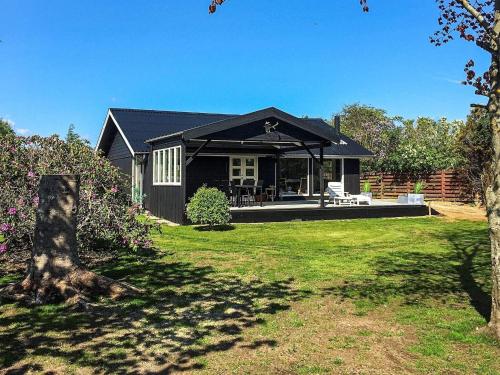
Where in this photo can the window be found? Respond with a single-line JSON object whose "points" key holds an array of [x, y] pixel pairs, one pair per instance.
{"points": [[293, 176], [167, 166], [243, 168]]}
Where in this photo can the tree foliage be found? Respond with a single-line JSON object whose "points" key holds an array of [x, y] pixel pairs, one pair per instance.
{"points": [[73, 137], [425, 146], [105, 218], [472, 22], [474, 145], [402, 146], [5, 128], [374, 129]]}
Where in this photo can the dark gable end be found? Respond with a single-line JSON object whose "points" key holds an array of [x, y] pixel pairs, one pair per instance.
{"points": [[115, 147]]}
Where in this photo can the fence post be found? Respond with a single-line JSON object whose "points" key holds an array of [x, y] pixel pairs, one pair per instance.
{"points": [[381, 186], [442, 185]]}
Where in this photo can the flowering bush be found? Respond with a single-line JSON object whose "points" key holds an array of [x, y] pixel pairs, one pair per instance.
{"points": [[209, 206], [106, 219]]}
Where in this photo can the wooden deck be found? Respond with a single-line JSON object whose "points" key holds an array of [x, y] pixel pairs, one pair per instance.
{"points": [[310, 210]]}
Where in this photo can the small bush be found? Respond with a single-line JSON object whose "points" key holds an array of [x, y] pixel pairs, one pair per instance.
{"points": [[209, 206], [419, 187], [367, 187]]}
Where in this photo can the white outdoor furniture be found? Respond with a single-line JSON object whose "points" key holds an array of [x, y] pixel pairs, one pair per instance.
{"points": [[337, 194], [360, 198]]}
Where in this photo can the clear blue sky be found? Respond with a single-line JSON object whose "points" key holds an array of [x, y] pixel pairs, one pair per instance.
{"points": [[65, 62]]}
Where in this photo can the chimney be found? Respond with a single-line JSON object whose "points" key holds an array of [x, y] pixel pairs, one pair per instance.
{"points": [[336, 125]]}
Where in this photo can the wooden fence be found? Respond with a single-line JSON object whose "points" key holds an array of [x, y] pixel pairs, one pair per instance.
{"points": [[448, 185]]}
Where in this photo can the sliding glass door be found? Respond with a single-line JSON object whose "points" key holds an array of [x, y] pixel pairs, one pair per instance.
{"points": [[293, 176], [332, 173]]}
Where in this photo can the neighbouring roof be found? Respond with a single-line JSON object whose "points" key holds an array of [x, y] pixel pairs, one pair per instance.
{"points": [[138, 126]]}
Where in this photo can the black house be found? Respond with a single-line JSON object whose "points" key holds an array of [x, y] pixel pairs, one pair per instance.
{"points": [[169, 155]]}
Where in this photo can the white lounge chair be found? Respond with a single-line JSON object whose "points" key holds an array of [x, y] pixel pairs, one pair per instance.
{"points": [[360, 198], [337, 195]]}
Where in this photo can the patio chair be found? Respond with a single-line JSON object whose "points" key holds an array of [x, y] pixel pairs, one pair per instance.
{"points": [[337, 195], [259, 191], [233, 195], [248, 195]]}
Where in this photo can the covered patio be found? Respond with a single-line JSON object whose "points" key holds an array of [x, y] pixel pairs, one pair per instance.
{"points": [[265, 136], [285, 163]]}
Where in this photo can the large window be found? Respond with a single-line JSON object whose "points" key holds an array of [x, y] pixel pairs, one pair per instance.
{"points": [[332, 172], [293, 176], [167, 166]]}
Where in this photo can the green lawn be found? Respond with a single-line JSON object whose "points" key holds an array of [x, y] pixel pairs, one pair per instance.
{"points": [[361, 296]]}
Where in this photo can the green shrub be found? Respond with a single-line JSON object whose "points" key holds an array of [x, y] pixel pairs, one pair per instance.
{"points": [[106, 217], [209, 206], [367, 187]]}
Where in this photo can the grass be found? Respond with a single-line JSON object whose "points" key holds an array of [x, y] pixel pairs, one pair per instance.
{"points": [[384, 295]]}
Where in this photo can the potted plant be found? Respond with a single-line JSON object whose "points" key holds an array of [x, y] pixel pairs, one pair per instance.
{"points": [[367, 189], [417, 197]]}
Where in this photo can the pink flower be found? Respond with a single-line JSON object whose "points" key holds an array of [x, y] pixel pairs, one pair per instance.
{"points": [[12, 211], [114, 189], [31, 174], [5, 227], [36, 200], [3, 248]]}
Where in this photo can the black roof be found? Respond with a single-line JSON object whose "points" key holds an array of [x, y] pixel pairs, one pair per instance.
{"points": [[138, 126]]}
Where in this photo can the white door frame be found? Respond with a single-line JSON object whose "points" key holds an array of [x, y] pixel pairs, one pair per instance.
{"points": [[243, 167]]}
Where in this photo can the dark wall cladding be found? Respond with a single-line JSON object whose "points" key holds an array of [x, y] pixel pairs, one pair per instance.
{"points": [[267, 170], [209, 170], [119, 155], [351, 176], [165, 201]]}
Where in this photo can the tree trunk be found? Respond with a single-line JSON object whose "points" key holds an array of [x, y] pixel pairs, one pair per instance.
{"points": [[493, 191], [56, 271]]}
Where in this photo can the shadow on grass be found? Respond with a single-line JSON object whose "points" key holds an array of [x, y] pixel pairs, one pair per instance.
{"points": [[185, 313], [215, 228], [454, 276]]}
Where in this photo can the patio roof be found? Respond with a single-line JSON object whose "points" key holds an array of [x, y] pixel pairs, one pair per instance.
{"points": [[267, 126]]}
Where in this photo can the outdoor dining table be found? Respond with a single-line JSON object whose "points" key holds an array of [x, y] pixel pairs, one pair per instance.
{"points": [[240, 188]]}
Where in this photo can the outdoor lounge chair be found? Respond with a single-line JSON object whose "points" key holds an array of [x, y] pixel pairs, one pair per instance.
{"points": [[337, 194], [360, 198]]}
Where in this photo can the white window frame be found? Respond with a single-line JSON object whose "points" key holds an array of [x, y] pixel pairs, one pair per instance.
{"points": [[167, 176], [243, 167]]}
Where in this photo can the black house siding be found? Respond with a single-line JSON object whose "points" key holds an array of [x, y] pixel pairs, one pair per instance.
{"points": [[209, 170], [165, 201], [119, 155], [351, 176], [267, 170]]}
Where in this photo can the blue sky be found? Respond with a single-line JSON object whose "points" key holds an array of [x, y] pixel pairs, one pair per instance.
{"points": [[65, 62]]}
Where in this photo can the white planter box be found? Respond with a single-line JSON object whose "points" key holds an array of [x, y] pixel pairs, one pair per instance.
{"points": [[416, 199], [369, 194]]}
